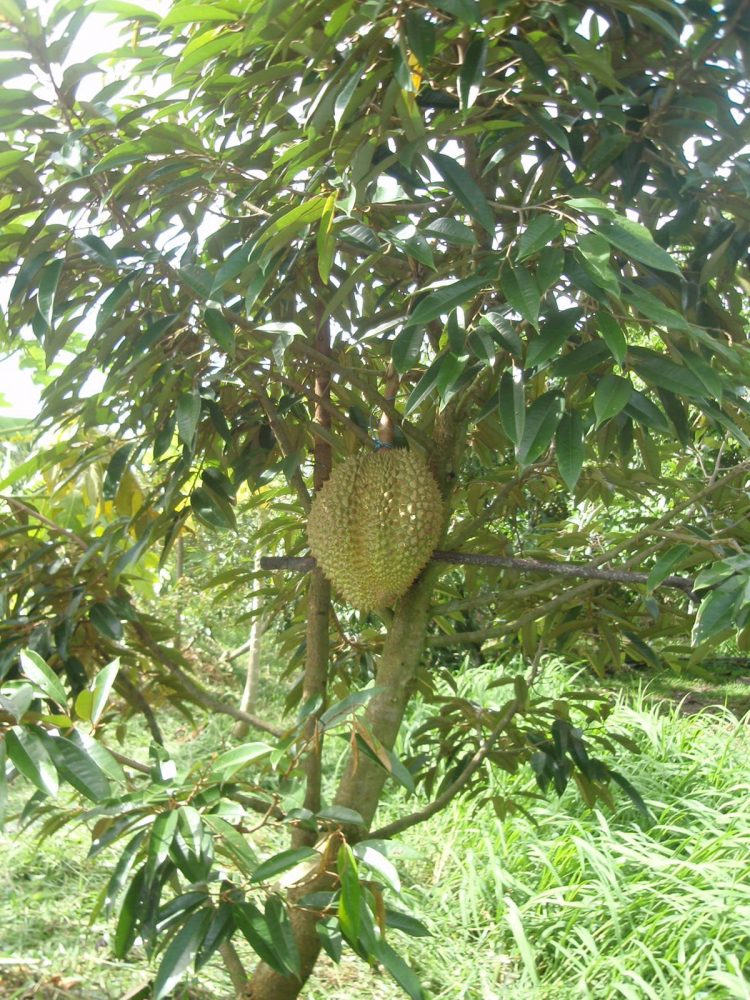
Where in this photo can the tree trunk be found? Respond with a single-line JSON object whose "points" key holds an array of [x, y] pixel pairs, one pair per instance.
{"points": [[252, 674], [363, 780]]}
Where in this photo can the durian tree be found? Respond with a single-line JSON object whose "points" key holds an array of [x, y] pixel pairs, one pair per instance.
{"points": [[484, 267]]}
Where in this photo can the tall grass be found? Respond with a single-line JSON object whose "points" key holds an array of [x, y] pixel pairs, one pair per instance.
{"points": [[590, 904]]}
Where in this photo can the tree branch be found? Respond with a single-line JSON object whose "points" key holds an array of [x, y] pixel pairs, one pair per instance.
{"points": [[200, 693], [207, 700], [277, 426], [56, 529], [438, 804], [303, 564], [507, 714]]}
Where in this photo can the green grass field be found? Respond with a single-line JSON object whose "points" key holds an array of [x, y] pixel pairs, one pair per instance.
{"points": [[577, 904]]}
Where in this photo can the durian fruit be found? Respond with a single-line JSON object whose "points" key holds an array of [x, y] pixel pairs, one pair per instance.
{"points": [[374, 525]]}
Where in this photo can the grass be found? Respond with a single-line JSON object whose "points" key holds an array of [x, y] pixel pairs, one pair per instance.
{"points": [[581, 904]]}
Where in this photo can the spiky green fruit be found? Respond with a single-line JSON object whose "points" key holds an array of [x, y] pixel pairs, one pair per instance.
{"points": [[374, 525]]}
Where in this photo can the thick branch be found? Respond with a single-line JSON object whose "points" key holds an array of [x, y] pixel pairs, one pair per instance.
{"points": [[303, 564]]}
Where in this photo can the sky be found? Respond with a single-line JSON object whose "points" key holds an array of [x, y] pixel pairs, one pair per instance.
{"points": [[19, 397]]}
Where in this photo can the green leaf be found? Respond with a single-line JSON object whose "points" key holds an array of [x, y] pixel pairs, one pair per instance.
{"points": [[232, 843], [102, 688], [717, 611], [420, 35], [83, 705], [115, 469], [350, 895], [160, 841], [503, 331], [212, 509], [344, 709], [710, 379], [633, 794], [542, 419], [282, 935], [27, 753], [717, 572], [612, 335], [665, 564], [105, 621], [188, 414], [406, 348], [595, 252], [569, 448], [48, 289], [46, 680], [181, 953], [512, 405], [584, 358], [341, 815], [637, 243], [252, 924], [219, 930], [553, 333], [325, 240], [521, 293], [121, 871], [76, 767], [281, 862], [196, 13], [438, 378], [17, 705], [472, 72], [371, 857], [127, 921], [451, 231], [612, 395], [539, 233], [440, 301], [656, 369], [344, 97], [231, 761], [220, 329], [405, 923], [404, 975], [468, 193]]}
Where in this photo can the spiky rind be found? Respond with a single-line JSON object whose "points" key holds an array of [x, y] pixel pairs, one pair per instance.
{"points": [[374, 525]]}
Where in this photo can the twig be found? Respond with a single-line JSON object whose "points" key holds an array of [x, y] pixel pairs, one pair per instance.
{"points": [[55, 528], [277, 426], [134, 765], [136, 697]]}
